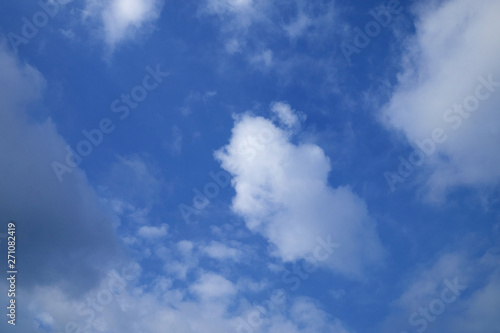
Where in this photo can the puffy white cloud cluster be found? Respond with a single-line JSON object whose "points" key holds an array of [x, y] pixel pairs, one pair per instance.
{"points": [[282, 192], [443, 84]]}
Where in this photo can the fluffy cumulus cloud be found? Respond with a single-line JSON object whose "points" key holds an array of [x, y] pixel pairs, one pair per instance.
{"points": [[213, 286], [210, 303], [282, 192], [448, 93], [221, 251], [151, 232], [121, 20], [109, 253]]}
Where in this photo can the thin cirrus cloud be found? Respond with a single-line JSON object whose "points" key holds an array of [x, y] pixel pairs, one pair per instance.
{"points": [[240, 23], [282, 192], [454, 50], [442, 296], [305, 19]]}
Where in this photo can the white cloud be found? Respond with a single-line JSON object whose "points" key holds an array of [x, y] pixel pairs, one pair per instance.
{"points": [[195, 99], [221, 251], [231, 6], [286, 115], [297, 28], [179, 269], [175, 143], [303, 315], [211, 285], [234, 46], [307, 315], [263, 59], [253, 286], [153, 232], [123, 20], [455, 44], [481, 314], [122, 302], [314, 23], [303, 18], [185, 246], [282, 192], [429, 281]]}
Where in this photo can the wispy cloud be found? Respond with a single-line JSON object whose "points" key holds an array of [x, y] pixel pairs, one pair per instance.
{"points": [[122, 20]]}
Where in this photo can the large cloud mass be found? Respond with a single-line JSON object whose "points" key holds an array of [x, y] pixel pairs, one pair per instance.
{"points": [[443, 85], [282, 192]]}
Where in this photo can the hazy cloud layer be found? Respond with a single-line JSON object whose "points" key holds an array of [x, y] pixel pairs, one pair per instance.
{"points": [[67, 234]]}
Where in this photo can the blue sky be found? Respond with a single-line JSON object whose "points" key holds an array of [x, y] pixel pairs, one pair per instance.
{"points": [[251, 166]]}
